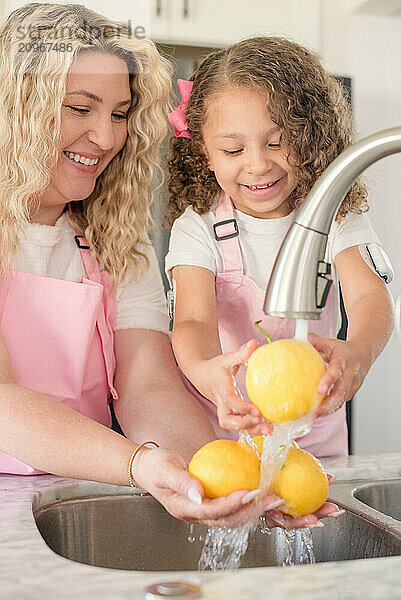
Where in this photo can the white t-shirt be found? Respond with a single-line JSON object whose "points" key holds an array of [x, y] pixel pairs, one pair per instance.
{"points": [[192, 242], [51, 251]]}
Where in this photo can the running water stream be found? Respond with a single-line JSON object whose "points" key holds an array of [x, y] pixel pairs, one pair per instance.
{"points": [[224, 547]]}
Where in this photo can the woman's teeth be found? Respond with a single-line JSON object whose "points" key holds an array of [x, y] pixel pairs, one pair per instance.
{"points": [[82, 159]]}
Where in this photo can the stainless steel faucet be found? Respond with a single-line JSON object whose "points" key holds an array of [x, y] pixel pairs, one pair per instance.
{"points": [[299, 284]]}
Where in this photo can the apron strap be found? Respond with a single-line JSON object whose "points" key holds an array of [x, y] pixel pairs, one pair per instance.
{"points": [[103, 323], [90, 263], [226, 232]]}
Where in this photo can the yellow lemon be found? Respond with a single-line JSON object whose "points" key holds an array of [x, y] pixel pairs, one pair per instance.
{"points": [[302, 483], [282, 377], [224, 466]]}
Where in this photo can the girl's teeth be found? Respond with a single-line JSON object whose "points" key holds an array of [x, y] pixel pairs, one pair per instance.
{"points": [[260, 187], [82, 159]]}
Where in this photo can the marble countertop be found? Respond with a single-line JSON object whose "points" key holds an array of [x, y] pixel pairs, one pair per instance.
{"points": [[30, 570]]}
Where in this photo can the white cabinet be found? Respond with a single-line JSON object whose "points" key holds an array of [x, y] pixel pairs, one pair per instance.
{"points": [[210, 22], [223, 22], [136, 13], [161, 19]]}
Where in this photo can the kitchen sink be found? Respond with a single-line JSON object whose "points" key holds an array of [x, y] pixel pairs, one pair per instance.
{"points": [[133, 531], [384, 496]]}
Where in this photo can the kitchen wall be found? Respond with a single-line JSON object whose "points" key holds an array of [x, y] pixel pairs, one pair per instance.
{"points": [[360, 39], [374, 54]]}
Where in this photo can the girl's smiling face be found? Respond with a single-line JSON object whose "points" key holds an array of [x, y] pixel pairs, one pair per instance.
{"points": [[242, 145], [93, 130]]}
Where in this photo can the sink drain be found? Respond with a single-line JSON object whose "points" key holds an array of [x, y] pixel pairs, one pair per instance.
{"points": [[172, 589]]}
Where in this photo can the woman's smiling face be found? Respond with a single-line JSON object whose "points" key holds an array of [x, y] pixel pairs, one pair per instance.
{"points": [[242, 145], [93, 130]]}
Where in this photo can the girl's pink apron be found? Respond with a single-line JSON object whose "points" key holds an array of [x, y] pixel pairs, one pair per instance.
{"points": [[239, 305], [59, 335]]}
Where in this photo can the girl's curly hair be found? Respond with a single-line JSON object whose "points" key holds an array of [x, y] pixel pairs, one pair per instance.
{"points": [[115, 218], [307, 104]]}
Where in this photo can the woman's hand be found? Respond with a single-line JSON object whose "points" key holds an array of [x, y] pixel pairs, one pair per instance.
{"points": [[164, 475], [276, 518], [345, 372], [214, 379]]}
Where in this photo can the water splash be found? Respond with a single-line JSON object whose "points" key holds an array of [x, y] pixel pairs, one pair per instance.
{"points": [[263, 526], [298, 547], [289, 541], [246, 438], [307, 553], [224, 547], [276, 446]]}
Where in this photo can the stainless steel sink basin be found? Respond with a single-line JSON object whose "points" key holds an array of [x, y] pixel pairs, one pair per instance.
{"points": [[384, 496], [133, 531]]}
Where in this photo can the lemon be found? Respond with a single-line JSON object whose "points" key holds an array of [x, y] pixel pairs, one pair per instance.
{"points": [[302, 483], [282, 377], [224, 466]]}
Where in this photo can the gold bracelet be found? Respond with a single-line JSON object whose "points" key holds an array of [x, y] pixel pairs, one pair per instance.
{"points": [[131, 460]]}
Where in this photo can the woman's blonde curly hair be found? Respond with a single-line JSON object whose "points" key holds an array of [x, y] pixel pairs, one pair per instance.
{"points": [[307, 104], [115, 218]]}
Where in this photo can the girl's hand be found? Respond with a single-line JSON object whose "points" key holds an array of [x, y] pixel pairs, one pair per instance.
{"points": [[214, 379], [345, 372]]}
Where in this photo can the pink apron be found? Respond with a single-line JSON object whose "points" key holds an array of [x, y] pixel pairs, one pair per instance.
{"points": [[239, 305], [59, 335]]}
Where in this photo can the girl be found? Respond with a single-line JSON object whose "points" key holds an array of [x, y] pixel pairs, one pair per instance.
{"points": [[82, 311], [258, 124]]}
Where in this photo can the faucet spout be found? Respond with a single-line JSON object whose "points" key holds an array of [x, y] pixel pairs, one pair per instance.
{"points": [[299, 286]]}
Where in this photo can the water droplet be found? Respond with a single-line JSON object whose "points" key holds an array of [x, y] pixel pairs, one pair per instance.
{"points": [[191, 538]]}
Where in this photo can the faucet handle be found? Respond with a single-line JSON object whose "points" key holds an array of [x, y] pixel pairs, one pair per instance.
{"points": [[324, 267], [323, 283]]}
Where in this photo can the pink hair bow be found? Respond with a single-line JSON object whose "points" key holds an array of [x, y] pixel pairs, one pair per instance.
{"points": [[177, 117]]}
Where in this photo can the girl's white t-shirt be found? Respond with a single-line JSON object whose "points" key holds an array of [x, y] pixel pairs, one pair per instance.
{"points": [[51, 251], [192, 242]]}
